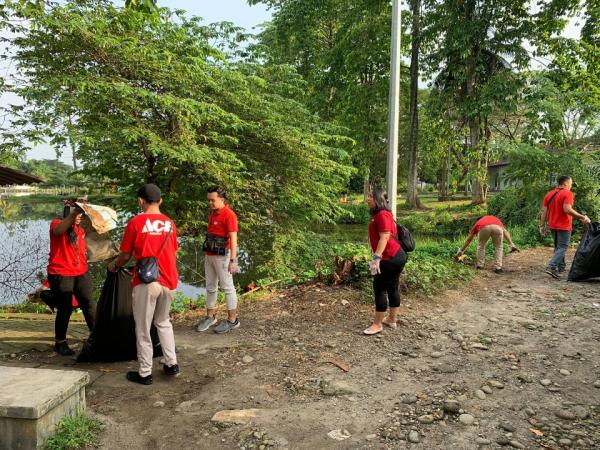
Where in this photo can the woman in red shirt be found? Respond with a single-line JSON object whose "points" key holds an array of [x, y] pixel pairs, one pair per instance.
{"points": [[68, 274], [387, 264]]}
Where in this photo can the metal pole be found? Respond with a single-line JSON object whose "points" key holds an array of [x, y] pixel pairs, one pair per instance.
{"points": [[394, 112]]}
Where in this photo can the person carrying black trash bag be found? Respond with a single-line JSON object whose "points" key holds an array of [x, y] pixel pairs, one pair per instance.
{"points": [[152, 240], [68, 274], [586, 262], [557, 210], [387, 262]]}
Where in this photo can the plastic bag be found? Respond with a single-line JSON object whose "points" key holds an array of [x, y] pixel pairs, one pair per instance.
{"points": [[113, 336], [586, 263]]}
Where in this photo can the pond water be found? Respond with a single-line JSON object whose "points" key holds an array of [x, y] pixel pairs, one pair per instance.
{"points": [[25, 243]]}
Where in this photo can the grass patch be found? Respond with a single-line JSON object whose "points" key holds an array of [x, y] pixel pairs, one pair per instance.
{"points": [[74, 433]]}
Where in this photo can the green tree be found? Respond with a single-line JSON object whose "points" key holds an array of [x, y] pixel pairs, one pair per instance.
{"points": [[471, 39], [154, 101]]}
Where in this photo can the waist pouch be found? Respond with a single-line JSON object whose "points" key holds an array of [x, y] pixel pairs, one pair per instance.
{"points": [[148, 270], [215, 244]]}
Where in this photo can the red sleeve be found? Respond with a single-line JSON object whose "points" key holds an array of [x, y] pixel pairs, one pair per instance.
{"points": [[384, 222], [569, 198], [546, 199], [128, 238], [232, 223]]}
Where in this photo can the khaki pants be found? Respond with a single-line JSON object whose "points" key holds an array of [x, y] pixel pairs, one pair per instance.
{"points": [[151, 303], [494, 232], [216, 269]]}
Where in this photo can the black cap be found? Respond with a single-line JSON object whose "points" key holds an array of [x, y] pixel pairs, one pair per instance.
{"points": [[149, 192]]}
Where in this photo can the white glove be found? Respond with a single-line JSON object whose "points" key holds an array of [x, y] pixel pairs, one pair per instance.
{"points": [[374, 266]]}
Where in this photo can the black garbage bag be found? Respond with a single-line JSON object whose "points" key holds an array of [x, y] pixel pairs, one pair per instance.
{"points": [[586, 263], [113, 336]]}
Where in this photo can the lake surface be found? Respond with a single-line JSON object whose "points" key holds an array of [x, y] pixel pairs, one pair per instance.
{"points": [[25, 244]]}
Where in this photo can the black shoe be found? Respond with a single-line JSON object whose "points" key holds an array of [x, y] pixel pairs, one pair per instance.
{"points": [[63, 349], [137, 378], [171, 370], [553, 272], [499, 270]]}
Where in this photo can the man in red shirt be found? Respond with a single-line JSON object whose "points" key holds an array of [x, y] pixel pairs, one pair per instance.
{"points": [[68, 274], [151, 234], [557, 210], [220, 261], [486, 228]]}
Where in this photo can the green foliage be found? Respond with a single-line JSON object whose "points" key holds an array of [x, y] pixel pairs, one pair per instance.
{"points": [[443, 223], [74, 433], [151, 100], [534, 171], [352, 213]]}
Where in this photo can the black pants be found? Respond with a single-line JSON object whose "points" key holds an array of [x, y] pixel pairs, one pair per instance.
{"points": [[386, 284], [63, 288]]}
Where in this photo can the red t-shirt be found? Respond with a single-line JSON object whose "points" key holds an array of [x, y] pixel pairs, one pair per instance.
{"points": [[221, 223], [65, 258], [144, 235], [558, 219], [484, 222], [384, 221]]}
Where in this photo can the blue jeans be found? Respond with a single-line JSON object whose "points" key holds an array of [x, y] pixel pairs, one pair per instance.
{"points": [[561, 244]]}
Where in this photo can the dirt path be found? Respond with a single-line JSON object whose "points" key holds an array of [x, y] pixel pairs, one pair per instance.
{"points": [[510, 360]]}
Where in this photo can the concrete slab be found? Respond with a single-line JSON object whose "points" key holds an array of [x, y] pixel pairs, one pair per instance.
{"points": [[33, 401]]}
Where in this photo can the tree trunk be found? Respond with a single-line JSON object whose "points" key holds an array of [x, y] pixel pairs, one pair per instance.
{"points": [[477, 190], [444, 188], [412, 196], [366, 187]]}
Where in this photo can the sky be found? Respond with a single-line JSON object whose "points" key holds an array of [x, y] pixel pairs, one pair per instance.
{"points": [[236, 11]]}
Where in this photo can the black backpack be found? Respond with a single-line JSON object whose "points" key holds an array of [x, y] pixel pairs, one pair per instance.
{"points": [[405, 238]]}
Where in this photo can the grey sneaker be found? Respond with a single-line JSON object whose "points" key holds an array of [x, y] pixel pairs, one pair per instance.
{"points": [[553, 273], [226, 326], [206, 323]]}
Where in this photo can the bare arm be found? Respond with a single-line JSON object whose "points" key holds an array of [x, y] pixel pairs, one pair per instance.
{"points": [[381, 244], [233, 266], [543, 216], [66, 223], [568, 209], [507, 236], [121, 260], [467, 243]]}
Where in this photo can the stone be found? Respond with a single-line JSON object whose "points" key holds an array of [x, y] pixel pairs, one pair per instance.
{"points": [[478, 346], [507, 427], [410, 399], [413, 436], [581, 412], [339, 435], [338, 387], [436, 354], [564, 372], [370, 437], [530, 412], [33, 401], [451, 406], [502, 440], [565, 441], [597, 384], [545, 382], [482, 441], [495, 384], [466, 419], [247, 359], [480, 394], [565, 414], [427, 418], [237, 416], [524, 378], [159, 404], [516, 444], [487, 389], [185, 406]]}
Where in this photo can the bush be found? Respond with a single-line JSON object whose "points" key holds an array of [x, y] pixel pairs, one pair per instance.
{"points": [[352, 213]]}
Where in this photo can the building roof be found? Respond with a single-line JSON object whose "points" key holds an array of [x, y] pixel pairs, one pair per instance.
{"points": [[9, 177], [498, 164]]}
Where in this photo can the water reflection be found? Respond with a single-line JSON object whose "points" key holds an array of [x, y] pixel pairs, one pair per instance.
{"points": [[24, 232]]}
